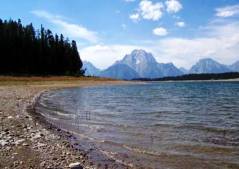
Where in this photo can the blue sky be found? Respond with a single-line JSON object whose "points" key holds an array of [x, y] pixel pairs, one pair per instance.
{"points": [[178, 31]]}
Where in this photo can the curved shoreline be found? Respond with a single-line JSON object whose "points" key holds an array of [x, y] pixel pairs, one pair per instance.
{"points": [[27, 140], [70, 138], [64, 136], [192, 159]]}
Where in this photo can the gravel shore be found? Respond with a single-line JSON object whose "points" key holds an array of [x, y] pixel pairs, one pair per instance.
{"points": [[25, 142]]}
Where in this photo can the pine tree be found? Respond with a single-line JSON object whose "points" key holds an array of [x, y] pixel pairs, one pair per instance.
{"points": [[26, 51]]}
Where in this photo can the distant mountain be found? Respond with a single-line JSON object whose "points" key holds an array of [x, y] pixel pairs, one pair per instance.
{"points": [[235, 66], [120, 71], [143, 63], [146, 66], [140, 63], [91, 70], [208, 66], [169, 69], [185, 71]]}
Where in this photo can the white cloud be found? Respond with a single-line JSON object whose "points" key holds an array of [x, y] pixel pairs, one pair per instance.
{"points": [[220, 42], [129, 0], [227, 11], [160, 31], [173, 6], [69, 29], [151, 11], [135, 17], [148, 10], [180, 24]]}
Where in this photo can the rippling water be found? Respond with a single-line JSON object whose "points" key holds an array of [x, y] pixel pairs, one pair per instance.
{"points": [[155, 125]]}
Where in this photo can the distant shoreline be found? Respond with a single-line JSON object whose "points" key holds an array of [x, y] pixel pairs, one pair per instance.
{"points": [[231, 76], [219, 80]]}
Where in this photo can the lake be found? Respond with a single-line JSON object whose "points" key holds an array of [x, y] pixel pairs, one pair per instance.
{"points": [[153, 125]]}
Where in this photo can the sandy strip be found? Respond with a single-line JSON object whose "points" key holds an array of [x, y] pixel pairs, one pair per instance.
{"points": [[24, 141]]}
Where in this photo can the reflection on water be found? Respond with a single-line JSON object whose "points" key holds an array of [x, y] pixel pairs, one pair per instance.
{"points": [[157, 125]]}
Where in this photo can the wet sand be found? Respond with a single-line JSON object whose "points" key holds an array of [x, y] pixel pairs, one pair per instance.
{"points": [[26, 142]]}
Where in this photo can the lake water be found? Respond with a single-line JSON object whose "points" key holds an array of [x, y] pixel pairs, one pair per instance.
{"points": [[155, 125]]}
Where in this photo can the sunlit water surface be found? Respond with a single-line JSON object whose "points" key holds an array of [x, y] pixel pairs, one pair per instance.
{"points": [[155, 125]]}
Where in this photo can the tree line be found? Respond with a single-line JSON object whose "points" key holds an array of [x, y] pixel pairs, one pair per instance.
{"points": [[203, 76], [26, 51]]}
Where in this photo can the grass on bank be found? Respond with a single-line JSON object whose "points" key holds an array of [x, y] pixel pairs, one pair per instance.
{"points": [[31, 80]]}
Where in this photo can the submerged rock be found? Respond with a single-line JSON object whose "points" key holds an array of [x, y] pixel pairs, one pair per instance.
{"points": [[76, 165]]}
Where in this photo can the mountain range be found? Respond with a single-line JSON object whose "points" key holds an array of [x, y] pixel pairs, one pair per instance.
{"points": [[91, 70], [141, 64], [119, 71], [235, 66], [208, 65]]}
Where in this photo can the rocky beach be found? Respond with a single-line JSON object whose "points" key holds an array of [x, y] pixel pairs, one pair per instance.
{"points": [[26, 141]]}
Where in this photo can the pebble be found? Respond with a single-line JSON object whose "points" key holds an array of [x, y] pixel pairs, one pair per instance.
{"points": [[37, 136], [76, 165], [8, 148], [41, 145], [18, 125], [3, 143], [54, 158], [42, 164], [19, 141], [25, 144], [10, 117]]}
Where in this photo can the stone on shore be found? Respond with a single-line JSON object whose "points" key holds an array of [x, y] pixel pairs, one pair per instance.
{"points": [[76, 165]]}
